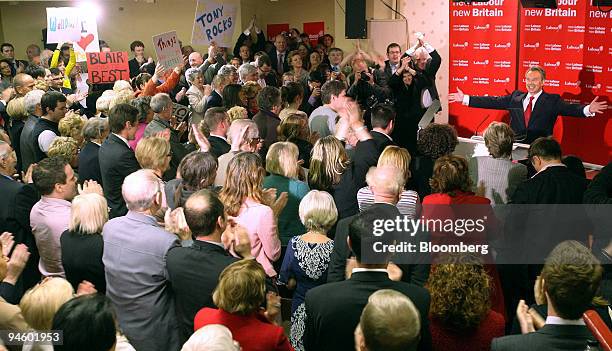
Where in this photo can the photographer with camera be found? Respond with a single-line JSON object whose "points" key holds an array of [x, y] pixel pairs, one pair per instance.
{"points": [[366, 87]]}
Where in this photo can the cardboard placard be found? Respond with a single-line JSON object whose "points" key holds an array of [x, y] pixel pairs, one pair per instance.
{"points": [[181, 112], [214, 22], [76, 25], [107, 67], [168, 50]]}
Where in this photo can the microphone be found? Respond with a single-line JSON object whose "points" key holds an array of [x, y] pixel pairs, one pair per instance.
{"points": [[480, 124]]}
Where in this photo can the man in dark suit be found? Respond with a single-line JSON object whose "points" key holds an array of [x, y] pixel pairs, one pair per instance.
{"points": [[333, 310], [570, 280], [386, 184], [394, 54], [529, 238], [279, 55], [267, 120], [15, 205], [193, 286], [94, 132], [383, 122], [215, 98], [27, 147], [216, 121], [532, 114], [117, 159]]}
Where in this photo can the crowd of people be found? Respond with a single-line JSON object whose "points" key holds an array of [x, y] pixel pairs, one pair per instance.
{"points": [[246, 224]]}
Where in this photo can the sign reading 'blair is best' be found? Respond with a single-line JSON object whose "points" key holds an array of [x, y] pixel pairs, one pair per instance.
{"points": [[168, 50], [214, 22], [107, 67]]}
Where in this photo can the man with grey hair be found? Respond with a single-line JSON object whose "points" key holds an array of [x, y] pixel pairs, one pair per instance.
{"points": [[135, 249], [162, 106], [387, 184], [427, 62], [390, 322], [32, 105], [248, 73]]}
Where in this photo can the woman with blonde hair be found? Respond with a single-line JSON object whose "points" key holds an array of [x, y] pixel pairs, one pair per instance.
{"points": [[39, 304], [332, 171], [237, 112], [284, 169], [307, 259], [240, 293], [17, 111], [154, 153], [72, 126], [67, 148], [397, 157], [254, 209], [82, 243]]}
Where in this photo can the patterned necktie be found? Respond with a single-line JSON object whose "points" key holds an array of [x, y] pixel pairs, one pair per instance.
{"points": [[528, 111]]}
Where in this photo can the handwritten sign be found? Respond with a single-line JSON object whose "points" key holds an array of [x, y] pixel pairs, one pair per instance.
{"points": [[168, 50], [107, 67], [214, 22], [76, 25], [180, 112]]}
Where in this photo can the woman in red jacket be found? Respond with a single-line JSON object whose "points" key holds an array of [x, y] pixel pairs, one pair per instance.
{"points": [[460, 312], [449, 209], [240, 293]]}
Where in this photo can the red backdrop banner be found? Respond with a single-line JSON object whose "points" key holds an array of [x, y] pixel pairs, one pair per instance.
{"points": [[568, 42], [315, 30], [274, 29]]}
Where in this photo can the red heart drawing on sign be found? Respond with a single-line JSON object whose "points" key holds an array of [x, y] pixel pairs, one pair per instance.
{"points": [[85, 41]]}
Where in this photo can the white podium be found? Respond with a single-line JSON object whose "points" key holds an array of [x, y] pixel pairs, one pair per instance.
{"points": [[475, 146]]}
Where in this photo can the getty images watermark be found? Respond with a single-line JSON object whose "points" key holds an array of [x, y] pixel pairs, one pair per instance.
{"points": [[404, 229]]}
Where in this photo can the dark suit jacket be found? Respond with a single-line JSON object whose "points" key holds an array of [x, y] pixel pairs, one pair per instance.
{"points": [[333, 310], [543, 115], [117, 161], [192, 284], [549, 337], [135, 68], [381, 140], [218, 146], [26, 143], [554, 185], [16, 203], [412, 273], [274, 59], [89, 166], [214, 100]]}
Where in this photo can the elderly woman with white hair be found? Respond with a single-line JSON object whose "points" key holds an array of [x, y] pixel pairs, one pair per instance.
{"points": [[32, 106], [197, 94], [213, 337], [82, 243], [308, 256]]}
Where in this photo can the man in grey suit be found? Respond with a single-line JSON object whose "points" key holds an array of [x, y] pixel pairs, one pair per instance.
{"points": [[570, 280], [32, 105], [135, 249]]}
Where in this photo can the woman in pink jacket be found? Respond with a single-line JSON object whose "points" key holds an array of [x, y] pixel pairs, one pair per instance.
{"points": [[254, 208]]}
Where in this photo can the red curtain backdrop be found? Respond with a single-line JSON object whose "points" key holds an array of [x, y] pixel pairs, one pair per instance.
{"points": [[275, 29], [568, 42]]}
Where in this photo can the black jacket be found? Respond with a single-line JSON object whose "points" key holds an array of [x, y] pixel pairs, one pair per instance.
{"points": [[218, 146], [89, 165], [82, 259], [194, 273], [40, 126], [117, 161], [333, 310]]}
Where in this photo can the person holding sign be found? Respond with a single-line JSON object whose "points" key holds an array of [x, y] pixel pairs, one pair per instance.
{"points": [[56, 60], [532, 113], [139, 64]]}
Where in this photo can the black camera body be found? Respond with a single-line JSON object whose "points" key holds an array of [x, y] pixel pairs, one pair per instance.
{"points": [[364, 77]]}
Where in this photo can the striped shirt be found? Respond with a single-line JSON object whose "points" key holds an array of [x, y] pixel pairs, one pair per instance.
{"points": [[408, 205]]}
